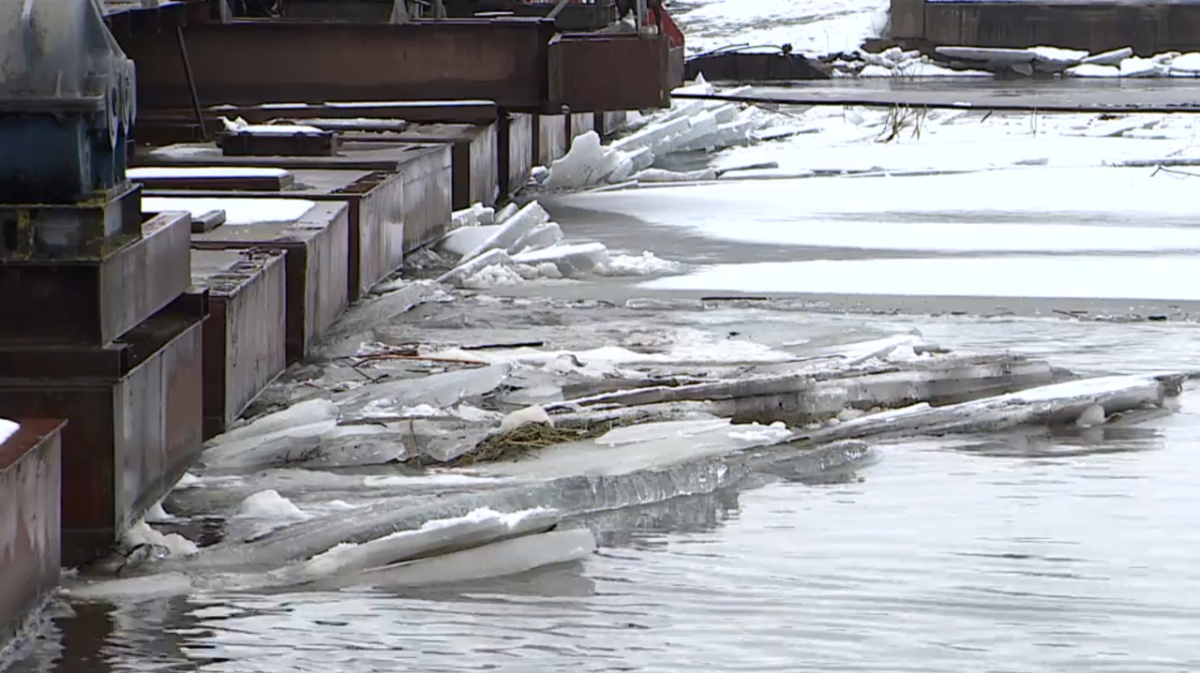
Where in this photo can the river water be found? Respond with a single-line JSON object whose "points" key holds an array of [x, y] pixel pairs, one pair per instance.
{"points": [[1032, 551], [1023, 552]]}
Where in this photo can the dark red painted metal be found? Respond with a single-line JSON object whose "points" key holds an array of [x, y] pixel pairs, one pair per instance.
{"points": [[30, 464]]}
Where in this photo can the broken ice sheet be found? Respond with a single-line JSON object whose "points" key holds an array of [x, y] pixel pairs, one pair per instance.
{"points": [[440, 390]]}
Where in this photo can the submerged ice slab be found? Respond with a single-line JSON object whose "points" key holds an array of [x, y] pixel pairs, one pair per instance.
{"points": [[1060, 403], [433, 538], [568, 495]]}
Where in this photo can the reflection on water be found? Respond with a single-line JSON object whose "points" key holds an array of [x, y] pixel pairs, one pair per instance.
{"points": [[1043, 550]]}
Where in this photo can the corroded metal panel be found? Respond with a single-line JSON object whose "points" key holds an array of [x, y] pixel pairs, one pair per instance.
{"points": [[520, 146], [906, 19], [252, 62], [474, 159], [129, 437], [30, 542], [551, 138], [582, 67], [244, 335], [427, 203], [580, 123], [317, 266], [95, 302], [373, 179], [1090, 27]]}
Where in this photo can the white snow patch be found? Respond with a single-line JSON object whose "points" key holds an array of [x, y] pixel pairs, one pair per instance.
{"points": [[645, 264], [531, 415], [492, 276], [7, 429], [237, 211], [156, 514], [204, 172], [761, 434]]}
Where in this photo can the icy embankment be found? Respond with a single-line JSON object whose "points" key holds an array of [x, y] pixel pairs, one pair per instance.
{"points": [[655, 427]]}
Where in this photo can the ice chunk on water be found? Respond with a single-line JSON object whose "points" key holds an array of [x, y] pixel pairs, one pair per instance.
{"points": [[141, 533], [435, 536], [527, 416], [499, 559], [461, 241], [309, 411], [588, 162], [571, 260], [474, 265], [7, 429], [505, 235], [761, 434], [269, 504], [440, 390]]}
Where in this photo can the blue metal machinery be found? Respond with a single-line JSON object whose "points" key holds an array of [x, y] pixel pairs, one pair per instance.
{"points": [[96, 322], [66, 101]]}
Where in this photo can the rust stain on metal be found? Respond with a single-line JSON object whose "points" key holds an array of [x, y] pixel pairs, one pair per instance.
{"points": [[129, 435], [581, 67], [520, 149], [317, 247], [244, 335], [247, 63], [30, 462], [93, 302]]}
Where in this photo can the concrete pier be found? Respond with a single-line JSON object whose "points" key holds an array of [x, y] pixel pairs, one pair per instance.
{"points": [[1094, 25]]}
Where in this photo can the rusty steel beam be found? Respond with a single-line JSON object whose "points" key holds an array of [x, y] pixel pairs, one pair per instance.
{"points": [[254, 62]]}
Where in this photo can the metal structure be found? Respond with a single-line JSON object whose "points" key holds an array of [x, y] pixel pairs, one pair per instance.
{"points": [[100, 332]]}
